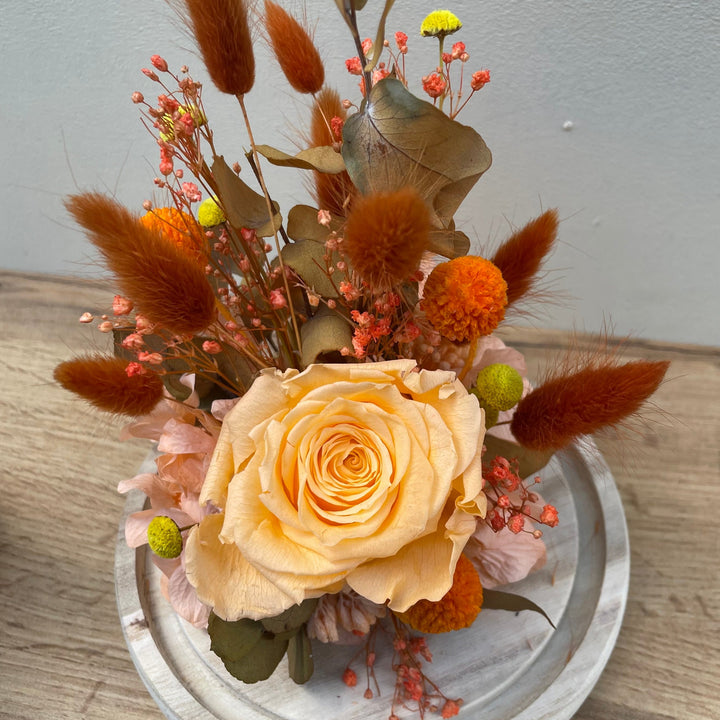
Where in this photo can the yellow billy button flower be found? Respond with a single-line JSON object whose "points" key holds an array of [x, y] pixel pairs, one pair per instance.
{"points": [[498, 386], [164, 537], [440, 23], [210, 213]]}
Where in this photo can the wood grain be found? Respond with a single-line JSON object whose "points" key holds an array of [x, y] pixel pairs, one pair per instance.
{"points": [[62, 654]]}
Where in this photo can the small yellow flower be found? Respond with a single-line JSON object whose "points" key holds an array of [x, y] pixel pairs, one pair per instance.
{"points": [[164, 537], [210, 213], [440, 23], [498, 386]]}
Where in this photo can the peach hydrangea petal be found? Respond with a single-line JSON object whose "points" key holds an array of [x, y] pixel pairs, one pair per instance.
{"points": [[504, 557], [184, 599], [181, 438], [225, 580]]}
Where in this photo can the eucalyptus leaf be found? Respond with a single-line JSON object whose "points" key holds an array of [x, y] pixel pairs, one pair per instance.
{"points": [[398, 139], [300, 659], [292, 619], [307, 259], [244, 208], [302, 224], [378, 45], [449, 243], [324, 333], [322, 158], [232, 641], [531, 461], [498, 600], [260, 664]]}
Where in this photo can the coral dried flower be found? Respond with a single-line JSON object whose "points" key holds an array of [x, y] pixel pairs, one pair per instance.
{"points": [[294, 50], [223, 35], [167, 287], [465, 298], [521, 255], [179, 228], [599, 395], [457, 609], [104, 382], [386, 234]]}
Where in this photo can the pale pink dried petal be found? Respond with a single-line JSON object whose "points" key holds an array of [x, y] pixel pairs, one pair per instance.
{"points": [[504, 557], [184, 599]]}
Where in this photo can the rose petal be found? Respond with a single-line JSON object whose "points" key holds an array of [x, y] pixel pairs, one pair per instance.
{"points": [[225, 580]]}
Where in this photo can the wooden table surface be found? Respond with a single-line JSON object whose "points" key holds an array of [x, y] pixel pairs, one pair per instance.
{"points": [[62, 654]]}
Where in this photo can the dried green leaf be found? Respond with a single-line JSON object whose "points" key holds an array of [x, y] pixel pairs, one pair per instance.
{"points": [[531, 461], [292, 619], [326, 333], [260, 664], [300, 659], [398, 139], [449, 243], [231, 641], [378, 45], [322, 158], [302, 224], [498, 600], [244, 208], [307, 259]]}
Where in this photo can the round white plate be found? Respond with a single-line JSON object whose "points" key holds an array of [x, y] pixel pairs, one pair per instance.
{"points": [[507, 666]]}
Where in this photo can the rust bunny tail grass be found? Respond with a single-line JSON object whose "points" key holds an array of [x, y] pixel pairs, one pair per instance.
{"points": [[104, 382], [522, 254], [599, 395], [327, 105], [294, 49], [333, 193], [164, 283], [222, 32]]}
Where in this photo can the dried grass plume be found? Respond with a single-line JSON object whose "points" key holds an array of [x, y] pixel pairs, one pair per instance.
{"points": [[164, 283], [222, 32], [597, 392], [521, 256], [294, 49], [102, 380], [333, 192]]}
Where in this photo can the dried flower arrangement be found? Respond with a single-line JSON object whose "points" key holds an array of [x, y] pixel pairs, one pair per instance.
{"points": [[320, 384]]}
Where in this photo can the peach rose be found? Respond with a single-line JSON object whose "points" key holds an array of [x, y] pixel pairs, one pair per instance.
{"points": [[365, 476]]}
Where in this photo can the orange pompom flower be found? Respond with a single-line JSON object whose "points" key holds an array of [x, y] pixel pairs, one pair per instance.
{"points": [[386, 234], [110, 384], [179, 228], [294, 50], [457, 609], [465, 298]]}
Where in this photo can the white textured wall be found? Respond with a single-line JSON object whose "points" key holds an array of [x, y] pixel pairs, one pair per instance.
{"points": [[637, 179]]}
